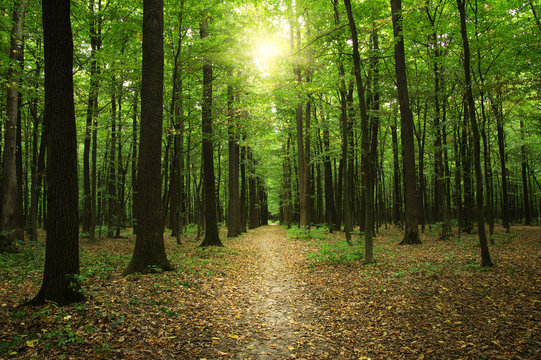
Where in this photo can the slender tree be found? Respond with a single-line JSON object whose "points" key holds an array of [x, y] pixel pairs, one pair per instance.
{"points": [[209, 184], [149, 249], [411, 233], [9, 213], [368, 156], [485, 254], [233, 218], [60, 276]]}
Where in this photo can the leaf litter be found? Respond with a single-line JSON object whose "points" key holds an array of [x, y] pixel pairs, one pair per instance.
{"points": [[265, 296]]}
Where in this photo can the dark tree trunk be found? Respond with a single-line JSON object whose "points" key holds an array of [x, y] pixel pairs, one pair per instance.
{"points": [[331, 217], [253, 220], [440, 188], [501, 146], [149, 251], [368, 165], [411, 234], [38, 167], [112, 212], [485, 255], [10, 229], [134, 160], [397, 198], [177, 207], [525, 191], [95, 44], [467, 225], [60, 276], [209, 185], [233, 217], [243, 207], [286, 196]]}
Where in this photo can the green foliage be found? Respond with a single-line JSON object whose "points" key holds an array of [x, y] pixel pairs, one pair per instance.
{"points": [[300, 233], [336, 253]]}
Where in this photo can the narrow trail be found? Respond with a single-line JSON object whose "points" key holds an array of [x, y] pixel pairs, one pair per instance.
{"points": [[281, 317]]}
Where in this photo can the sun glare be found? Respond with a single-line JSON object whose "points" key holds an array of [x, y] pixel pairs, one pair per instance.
{"points": [[266, 51]]}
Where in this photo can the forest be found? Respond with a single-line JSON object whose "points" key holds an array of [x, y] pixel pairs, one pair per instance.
{"points": [[270, 179]]}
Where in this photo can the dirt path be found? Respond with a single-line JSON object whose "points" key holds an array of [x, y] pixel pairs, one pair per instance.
{"points": [[281, 317]]}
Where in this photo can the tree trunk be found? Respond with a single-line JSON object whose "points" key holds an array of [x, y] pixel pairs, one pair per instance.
{"points": [[411, 234], [176, 216], [134, 160], [60, 276], [10, 230], [485, 255], [149, 252], [501, 146], [331, 217], [525, 191], [253, 220], [440, 188], [243, 208], [209, 185], [233, 217], [112, 212], [397, 198]]}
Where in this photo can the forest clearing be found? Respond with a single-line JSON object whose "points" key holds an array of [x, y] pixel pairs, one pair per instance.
{"points": [[278, 294]]}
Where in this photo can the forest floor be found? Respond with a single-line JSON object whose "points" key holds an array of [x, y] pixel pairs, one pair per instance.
{"points": [[272, 294]]}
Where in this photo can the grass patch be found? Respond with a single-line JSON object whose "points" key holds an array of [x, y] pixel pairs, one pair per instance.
{"points": [[336, 253]]}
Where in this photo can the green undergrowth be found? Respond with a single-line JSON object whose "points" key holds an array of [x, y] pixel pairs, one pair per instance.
{"points": [[335, 253], [307, 234]]}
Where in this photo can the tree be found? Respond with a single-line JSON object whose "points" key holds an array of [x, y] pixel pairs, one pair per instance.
{"points": [[149, 249], [411, 233], [233, 217], [10, 227], [60, 276], [209, 186], [368, 156], [485, 254]]}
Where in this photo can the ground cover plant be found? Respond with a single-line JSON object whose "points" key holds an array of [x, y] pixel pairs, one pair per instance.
{"points": [[270, 295]]}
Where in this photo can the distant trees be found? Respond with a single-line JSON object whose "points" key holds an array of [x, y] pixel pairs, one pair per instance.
{"points": [[318, 132]]}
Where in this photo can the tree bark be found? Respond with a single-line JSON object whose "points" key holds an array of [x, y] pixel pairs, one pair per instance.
{"points": [[485, 254], [411, 234], [177, 207], [60, 277], [233, 217], [10, 229], [209, 184], [525, 191], [149, 252]]}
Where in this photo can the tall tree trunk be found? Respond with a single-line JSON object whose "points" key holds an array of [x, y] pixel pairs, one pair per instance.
{"points": [[411, 234], [112, 213], [95, 40], [525, 191], [331, 217], [397, 198], [498, 113], [209, 184], [134, 159], [149, 251], [485, 254], [253, 214], [60, 276], [10, 229], [233, 217], [243, 207], [440, 188], [176, 216], [466, 220]]}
